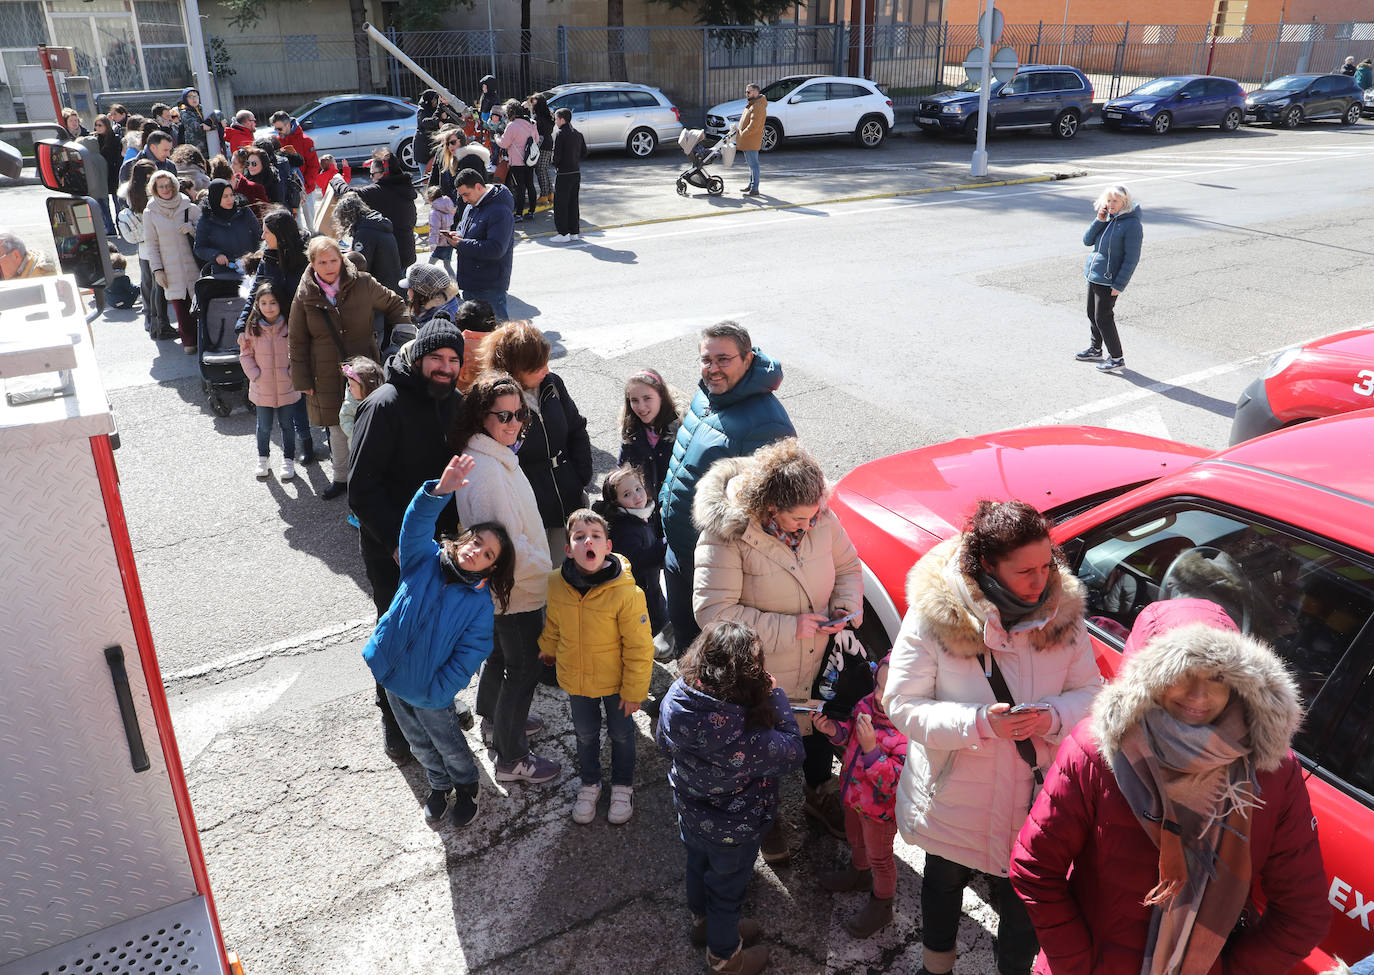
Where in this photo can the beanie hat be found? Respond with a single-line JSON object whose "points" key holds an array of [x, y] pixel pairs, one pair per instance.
{"points": [[437, 333]]}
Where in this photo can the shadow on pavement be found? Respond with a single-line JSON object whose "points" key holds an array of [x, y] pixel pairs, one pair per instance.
{"points": [[1181, 394]]}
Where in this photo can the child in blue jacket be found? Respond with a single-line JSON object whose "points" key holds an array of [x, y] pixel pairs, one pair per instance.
{"points": [[437, 632], [730, 733]]}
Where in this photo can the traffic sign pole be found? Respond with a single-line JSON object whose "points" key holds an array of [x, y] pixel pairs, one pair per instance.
{"points": [[979, 165]]}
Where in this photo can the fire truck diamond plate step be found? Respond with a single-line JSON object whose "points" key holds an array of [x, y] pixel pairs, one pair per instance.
{"points": [[176, 939]]}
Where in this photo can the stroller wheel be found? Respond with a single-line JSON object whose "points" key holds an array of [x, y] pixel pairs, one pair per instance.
{"points": [[716, 186], [681, 186], [252, 407], [219, 407]]}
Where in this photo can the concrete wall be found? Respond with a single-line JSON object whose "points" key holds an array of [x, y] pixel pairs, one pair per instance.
{"points": [[568, 13], [1161, 11]]}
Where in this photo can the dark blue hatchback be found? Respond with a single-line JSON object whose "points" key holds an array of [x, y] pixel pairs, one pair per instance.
{"points": [[1178, 101]]}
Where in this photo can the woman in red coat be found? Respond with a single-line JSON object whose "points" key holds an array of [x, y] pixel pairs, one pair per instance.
{"points": [[1172, 810]]}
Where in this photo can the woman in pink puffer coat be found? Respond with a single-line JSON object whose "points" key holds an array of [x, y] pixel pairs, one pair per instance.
{"points": [[516, 140]]}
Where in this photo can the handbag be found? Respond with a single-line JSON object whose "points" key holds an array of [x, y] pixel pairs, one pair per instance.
{"points": [[1024, 748], [853, 679]]}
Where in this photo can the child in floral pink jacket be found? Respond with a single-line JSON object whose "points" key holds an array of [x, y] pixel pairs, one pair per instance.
{"points": [[873, 757]]}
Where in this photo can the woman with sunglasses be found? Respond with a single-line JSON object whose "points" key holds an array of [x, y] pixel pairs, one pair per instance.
{"points": [[453, 153], [489, 428]]}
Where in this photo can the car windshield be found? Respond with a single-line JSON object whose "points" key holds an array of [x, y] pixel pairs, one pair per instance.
{"points": [[1291, 83], [312, 104], [1160, 87], [779, 90]]}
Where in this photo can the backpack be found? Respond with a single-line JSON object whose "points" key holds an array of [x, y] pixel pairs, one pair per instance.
{"points": [[532, 151], [293, 188]]}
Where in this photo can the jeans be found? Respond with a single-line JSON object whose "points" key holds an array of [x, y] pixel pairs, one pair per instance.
{"points": [[497, 300], [437, 742], [441, 255], [942, 902], [338, 454], [300, 419], [677, 578], [1102, 318], [566, 217], [620, 728], [717, 878], [870, 848], [282, 415], [508, 680], [751, 156]]}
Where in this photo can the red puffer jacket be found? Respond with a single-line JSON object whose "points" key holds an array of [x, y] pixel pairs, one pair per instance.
{"points": [[1092, 922]]}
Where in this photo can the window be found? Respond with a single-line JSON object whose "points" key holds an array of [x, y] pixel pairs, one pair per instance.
{"points": [[1349, 750], [1221, 88], [1066, 81], [331, 116], [573, 101], [811, 93], [642, 99], [1021, 84], [1306, 597], [843, 90], [375, 110], [1327, 86], [1195, 89], [607, 101]]}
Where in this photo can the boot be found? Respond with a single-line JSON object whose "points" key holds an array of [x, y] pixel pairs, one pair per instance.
{"points": [[394, 742], [846, 881], [745, 961], [876, 915], [749, 931], [774, 845], [824, 805], [938, 962]]}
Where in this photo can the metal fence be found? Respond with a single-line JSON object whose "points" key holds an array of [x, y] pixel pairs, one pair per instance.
{"points": [[700, 66]]}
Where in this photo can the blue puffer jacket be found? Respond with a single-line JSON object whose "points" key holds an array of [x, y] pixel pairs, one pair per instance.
{"points": [[436, 634], [732, 424], [1116, 248], [488, 238], [725, 776]]}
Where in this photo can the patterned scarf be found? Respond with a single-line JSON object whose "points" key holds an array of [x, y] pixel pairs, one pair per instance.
{"points": [[794, 539], [1192, 789]]}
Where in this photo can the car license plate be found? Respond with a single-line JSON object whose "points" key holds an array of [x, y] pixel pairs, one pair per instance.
{"points": [[927, 120], [1249, 116], [1113, 115]]}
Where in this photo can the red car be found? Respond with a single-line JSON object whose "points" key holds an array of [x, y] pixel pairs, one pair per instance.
{"points": [[1331, 375], [1279, 531]]}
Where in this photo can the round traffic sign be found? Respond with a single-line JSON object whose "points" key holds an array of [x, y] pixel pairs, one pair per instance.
{"points": [[998, 21], [973, 65], [1004, 63]]}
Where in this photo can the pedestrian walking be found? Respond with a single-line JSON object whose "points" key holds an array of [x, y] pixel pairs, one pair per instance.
{"points": [[426, 128], [1114, 236], [437, 632], [169, 229], [750, 138], [874, 753], [729, 734], [991, 670], [544, 123], [441, 211], [773, 555], [265, 356], [1172, 807], [484, 241], [569, 149], [520, 140], [733, 413], [254, 180], [596, 632], [280, 259], [637, 534], [489, 425]]}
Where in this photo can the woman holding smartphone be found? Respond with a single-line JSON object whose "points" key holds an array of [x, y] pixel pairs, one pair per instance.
{"points": [[771, 554], [992, 668]]}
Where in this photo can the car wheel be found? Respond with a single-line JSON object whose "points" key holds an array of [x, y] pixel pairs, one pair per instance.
{"points": [[406, 153], [970, 130], [1162, 123], [772, 136], [1066, 124], [1352, 114], [870, 132], [641, 143], [715, 186], [1231, 120], [1291, 117]]}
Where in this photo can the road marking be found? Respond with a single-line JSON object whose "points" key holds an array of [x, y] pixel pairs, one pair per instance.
{"points": [[1148, 421], [615, 339], [197, 725]]}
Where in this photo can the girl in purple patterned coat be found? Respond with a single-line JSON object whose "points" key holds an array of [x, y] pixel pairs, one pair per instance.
{"points": [[874, 754]]}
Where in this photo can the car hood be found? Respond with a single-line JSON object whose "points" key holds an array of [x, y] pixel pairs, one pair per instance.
{"points": [[935, 488], [726, 109], [1357, 343], [1128, 104], [1260, 97], [955, 97]]}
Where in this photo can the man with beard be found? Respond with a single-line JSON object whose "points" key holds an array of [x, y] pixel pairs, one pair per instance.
{"points": [[400, 441]]}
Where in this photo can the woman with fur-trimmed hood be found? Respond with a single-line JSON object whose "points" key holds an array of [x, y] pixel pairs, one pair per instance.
{"points": [[1174, 804], [996, 601]]}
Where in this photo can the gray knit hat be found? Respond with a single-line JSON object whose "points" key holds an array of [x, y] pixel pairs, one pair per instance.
{"points": [[437, 333]]}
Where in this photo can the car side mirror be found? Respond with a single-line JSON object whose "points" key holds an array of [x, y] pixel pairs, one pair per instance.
{"points": [[794, 100], [11, 161], [1004, 92], [307, 123], [1183, 95]]}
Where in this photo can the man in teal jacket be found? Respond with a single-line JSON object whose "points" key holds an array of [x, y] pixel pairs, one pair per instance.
{"points": [[733, 414]]}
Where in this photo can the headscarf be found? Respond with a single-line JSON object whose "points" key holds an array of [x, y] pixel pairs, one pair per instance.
{"points": [[216, 194]]}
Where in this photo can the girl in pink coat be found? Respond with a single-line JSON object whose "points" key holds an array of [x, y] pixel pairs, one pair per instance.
{"points": [[873, 757], [263, 353]]}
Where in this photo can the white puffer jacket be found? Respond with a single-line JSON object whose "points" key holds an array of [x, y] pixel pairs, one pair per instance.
{"points": [[962, 796]]}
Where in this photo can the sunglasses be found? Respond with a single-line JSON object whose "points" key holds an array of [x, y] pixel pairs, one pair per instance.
{"points": [[505, 416]]}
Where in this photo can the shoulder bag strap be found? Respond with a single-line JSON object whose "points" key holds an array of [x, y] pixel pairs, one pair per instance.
{"points": [[1024, 748]]}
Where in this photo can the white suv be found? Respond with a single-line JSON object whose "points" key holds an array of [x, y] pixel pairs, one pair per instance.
{"points": [[619, 115], [814, 105]]}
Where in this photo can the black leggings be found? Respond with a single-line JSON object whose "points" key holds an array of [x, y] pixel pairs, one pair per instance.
{"points": [[521, 181], [942, 904], [1102, 318]]}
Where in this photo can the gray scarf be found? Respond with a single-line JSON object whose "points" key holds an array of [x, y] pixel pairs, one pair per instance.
{"points": [[1012, 608]]}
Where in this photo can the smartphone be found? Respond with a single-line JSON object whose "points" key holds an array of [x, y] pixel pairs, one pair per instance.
{"points": [[1029, 708], [842, 619], [805, 709]]}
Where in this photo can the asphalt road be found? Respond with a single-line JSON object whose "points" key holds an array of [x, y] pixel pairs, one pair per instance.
{"points": [[901, 320]]}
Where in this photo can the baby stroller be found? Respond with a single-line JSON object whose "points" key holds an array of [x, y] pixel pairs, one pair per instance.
{"points": [[218, 306], [695, 149]]}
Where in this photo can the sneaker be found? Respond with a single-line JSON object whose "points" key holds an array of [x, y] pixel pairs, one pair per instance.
{"points": [[575, 236], [352, 519], [435, 805], [519, 219], [1090, 354], [584, 809], [532, 768], [464, 804], [263, 470], [622, 805], [288, 469], [1111, 365], [561, 238], [335, 489], [533, 726]]}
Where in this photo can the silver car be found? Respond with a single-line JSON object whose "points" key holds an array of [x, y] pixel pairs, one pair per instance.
{"points": [[619, 115], [351, 126]]}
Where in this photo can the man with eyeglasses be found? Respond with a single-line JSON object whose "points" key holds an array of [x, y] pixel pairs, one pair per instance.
{"points": [[733, 413]]}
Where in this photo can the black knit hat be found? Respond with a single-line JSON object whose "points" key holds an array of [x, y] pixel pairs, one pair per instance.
{"points": [[437, 333]]}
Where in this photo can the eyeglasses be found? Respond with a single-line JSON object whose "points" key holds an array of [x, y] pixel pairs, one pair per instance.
{"points": [[505, 416], [720, 361]]}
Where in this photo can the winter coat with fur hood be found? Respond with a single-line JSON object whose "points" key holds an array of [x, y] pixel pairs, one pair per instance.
{"points": [[964, 796], [1092, 921], [165, 225], [747, 574]]}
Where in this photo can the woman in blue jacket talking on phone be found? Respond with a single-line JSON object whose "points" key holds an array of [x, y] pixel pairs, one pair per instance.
{"points": [[1114, 235]]}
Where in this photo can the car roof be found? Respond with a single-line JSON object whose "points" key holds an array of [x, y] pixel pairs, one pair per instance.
{"points": [[1334, 455], [355, 97], [1048, 67], [592, 85]]}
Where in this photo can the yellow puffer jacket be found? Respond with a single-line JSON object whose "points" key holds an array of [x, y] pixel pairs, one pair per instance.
{"points": [[601, 640]]}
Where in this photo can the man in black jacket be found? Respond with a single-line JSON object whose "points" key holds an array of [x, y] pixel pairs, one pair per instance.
{"points": [[569, 149], [400, 440]]}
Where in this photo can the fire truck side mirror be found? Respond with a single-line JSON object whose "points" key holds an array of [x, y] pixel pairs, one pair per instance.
{"points": [[11, 161], [70, 168]]}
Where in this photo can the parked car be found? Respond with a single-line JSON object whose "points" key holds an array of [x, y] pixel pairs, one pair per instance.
{"points": [[351, 126], [1367, 109], [619, 115], [1282, 528], [1295, 98], [1176, 102], [1330, 375], [806, 106], [1052, 95]]}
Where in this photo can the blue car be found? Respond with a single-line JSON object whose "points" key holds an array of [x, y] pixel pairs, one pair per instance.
{"points": [[1053, 96], [1176, 102]]}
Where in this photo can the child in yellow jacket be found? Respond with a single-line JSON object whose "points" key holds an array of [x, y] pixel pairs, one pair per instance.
{"points": [[597, 631]]}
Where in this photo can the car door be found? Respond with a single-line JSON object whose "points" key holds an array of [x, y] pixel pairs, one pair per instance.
{"points": [[1189, 103], [1013, 101], [609, 114], [846, 106], [1225, 95], [333, 127], [1321, 98], [381, 122], [807, 110]]}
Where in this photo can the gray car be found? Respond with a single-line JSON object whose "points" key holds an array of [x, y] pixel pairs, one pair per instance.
{"points": [[351, 126], [619, 115]]}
